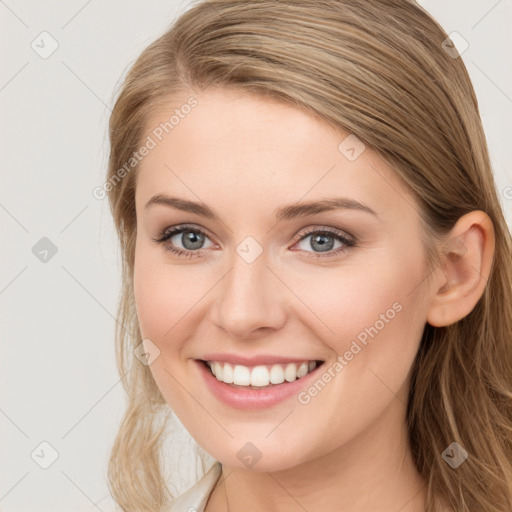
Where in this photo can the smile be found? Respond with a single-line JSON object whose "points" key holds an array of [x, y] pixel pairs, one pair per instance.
{"points": [[257, 386], [262, 375]]}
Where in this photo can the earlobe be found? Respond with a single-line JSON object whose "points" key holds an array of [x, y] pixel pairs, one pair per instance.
{"points": [[466, 258]]}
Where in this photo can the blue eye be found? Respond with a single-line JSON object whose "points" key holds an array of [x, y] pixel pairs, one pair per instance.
{"points": [[324, 240], [192, 240]]}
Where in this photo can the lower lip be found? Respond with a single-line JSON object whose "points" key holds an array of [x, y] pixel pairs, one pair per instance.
{"points": [[249, 398]]}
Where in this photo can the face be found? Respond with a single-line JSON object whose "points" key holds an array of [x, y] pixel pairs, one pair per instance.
{"points": [[341, 288]]}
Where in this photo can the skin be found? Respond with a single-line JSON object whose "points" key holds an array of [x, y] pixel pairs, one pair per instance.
{"points": [[245, 156]]}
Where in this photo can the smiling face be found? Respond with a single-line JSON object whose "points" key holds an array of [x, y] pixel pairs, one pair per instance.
{"points": [[345, 286]]}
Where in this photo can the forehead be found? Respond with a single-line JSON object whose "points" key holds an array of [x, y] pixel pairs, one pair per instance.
{"points": [[242, 149], [225, 120]]}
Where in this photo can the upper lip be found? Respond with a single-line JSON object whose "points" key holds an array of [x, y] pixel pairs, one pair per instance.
{"points": [[262, 359]]}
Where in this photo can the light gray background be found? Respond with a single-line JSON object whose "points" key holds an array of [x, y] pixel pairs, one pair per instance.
{"points": [[58, 379]]}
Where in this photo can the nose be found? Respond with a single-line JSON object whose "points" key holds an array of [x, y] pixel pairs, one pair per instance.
{"points": [[250, 299]]}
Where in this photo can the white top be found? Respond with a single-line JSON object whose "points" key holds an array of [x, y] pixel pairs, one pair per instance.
{"points": [[194, 500]]}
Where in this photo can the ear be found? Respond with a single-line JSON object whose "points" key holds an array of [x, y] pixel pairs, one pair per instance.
{"points": [[466, 256]]}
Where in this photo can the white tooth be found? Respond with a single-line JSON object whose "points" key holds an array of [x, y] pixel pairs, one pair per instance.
{"points": [[259, 376], [276, 374], [241, 375], [217, 370], [227, 373], [302, 370], [290, 372]]}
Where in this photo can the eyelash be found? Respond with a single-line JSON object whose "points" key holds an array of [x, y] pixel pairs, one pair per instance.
{"points": [[174, 230]]}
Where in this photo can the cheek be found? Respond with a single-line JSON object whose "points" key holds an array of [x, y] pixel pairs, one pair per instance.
{"points": [[371, 316], [163, 299], [163, 293], [377, 324], [152, 294], [347, 303]]}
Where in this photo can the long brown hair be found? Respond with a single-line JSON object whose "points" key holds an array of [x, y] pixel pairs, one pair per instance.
{"points": [[381, 70]]}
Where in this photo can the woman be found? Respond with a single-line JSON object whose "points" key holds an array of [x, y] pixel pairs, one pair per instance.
{"points": [[316, 267]]}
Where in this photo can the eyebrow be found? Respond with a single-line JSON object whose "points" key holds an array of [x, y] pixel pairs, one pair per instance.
{"points": [[284, 213]]}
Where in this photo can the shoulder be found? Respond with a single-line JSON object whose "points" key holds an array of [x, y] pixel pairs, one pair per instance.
{"points": [[192, 500], [195, 498]]}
